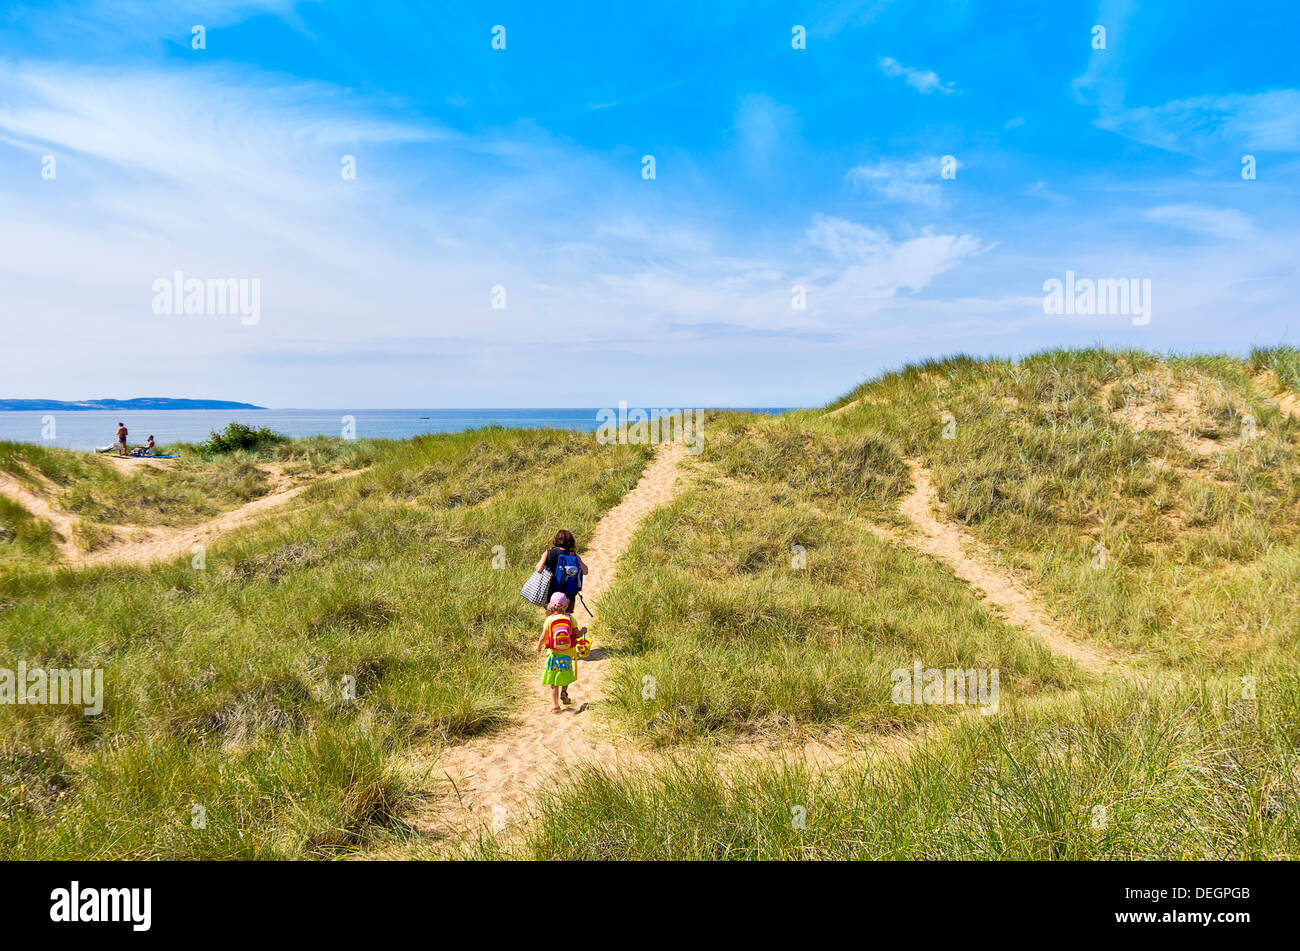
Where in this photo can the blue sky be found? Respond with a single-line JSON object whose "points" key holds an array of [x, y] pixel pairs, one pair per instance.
{"points": [[522, 167]]}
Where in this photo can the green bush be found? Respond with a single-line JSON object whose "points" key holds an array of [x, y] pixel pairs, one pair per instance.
{"points": [[238, 436]]}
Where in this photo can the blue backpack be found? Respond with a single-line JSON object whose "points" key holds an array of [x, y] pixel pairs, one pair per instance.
{"points": [[568, 574]]}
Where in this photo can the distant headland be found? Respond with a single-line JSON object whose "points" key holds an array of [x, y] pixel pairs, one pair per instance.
{"points": [[141, 403]]}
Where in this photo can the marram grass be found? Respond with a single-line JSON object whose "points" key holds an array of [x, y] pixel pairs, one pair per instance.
{"points": [[1150, 504]]}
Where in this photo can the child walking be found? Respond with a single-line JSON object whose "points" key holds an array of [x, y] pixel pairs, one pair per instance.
{"points": [[560, 641]]}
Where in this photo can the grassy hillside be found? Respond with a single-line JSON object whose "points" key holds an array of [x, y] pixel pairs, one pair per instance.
{"points": [[1196, 588], [106, 498], [1149, 506], [24, 538], [224, 686], [759, 606], [1067, 451], [1196, 774]]}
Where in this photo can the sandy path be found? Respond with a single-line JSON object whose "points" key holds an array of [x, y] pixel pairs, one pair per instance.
{"points": [[492, 778], [843, 409], [144, 546], [61, 522], [955, 548], [165, 544]]}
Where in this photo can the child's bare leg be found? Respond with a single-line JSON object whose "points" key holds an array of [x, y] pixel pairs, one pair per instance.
{"points": [[555, 699]]}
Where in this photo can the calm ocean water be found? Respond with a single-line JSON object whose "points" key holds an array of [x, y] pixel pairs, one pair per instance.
{"points": [[93, 428]]}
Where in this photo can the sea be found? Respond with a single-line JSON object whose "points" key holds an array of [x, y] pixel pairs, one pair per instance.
{"points": [[90, 429]]}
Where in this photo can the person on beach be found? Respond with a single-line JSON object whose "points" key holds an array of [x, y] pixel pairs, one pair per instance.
{"points": [[145, 450], [560, 641], [121, 437], [567, 569]]}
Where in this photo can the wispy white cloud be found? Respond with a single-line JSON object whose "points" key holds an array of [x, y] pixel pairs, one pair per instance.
{"points": [[1219, 124], [924, 81], [208, 127], [1040, 190], [220, 174], [1102, 83], [109, 24], [763, 126], [1224, 223], [916, 181], [847, 270], [869, 264], [1209, 127], [836, 15], [378, 289]]}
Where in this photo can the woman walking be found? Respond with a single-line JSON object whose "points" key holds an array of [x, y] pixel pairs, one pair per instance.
{"points": [[567, 569]]}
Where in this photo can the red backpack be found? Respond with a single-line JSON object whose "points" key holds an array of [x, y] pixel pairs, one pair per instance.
{"points": [[559, 633]]}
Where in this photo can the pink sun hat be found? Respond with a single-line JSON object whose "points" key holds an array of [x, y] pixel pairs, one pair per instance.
{"points": [[560, 600]]}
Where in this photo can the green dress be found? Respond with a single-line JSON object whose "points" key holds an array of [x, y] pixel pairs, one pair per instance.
{"points": [[561, 668]]}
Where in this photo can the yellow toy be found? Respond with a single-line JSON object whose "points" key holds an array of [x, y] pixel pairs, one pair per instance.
{"points": [[583, 646]]}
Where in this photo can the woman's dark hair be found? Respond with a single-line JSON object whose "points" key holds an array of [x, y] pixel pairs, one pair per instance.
{"points": [[564, 539]]}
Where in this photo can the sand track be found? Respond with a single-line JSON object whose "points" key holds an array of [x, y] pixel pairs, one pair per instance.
{"points": [[843, 409], [945, 541], [165, 544], [40, 508], [948, 543], [145, 546], [491, 779]]}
